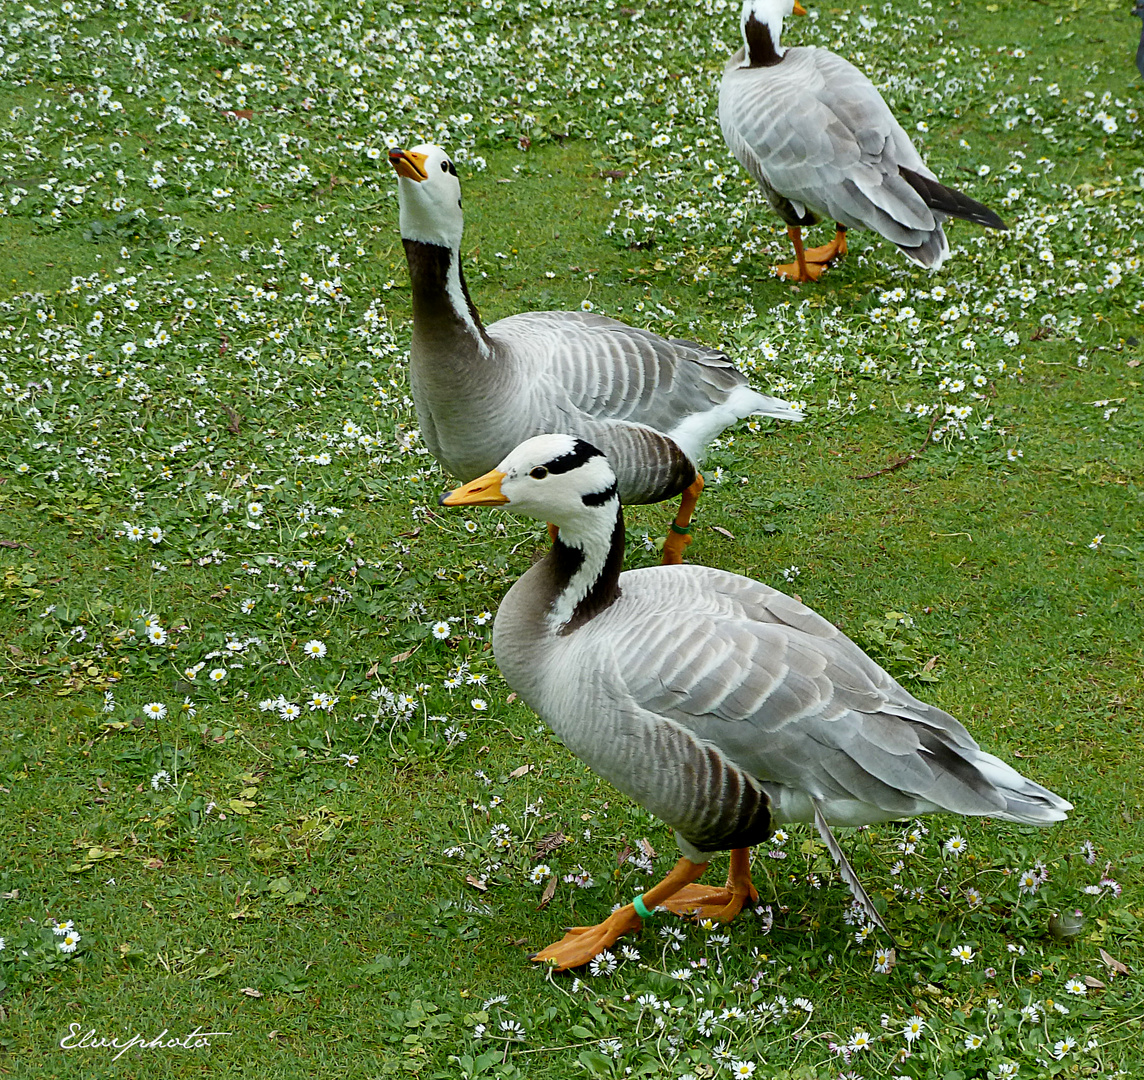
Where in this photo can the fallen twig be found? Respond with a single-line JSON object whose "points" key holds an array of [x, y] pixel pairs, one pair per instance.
{"points": [[902, 461]]}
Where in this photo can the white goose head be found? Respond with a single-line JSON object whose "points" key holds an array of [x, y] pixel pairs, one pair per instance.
{"points": [[568, 482], [429, 195], [557, 478], [762, 26]]}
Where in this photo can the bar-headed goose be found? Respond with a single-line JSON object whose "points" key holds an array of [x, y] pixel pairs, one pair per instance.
{"points": [[820, 141], [651, 402], [718, 704]]}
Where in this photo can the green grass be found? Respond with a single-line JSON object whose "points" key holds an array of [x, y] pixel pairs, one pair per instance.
{"points": [[306, 884]]}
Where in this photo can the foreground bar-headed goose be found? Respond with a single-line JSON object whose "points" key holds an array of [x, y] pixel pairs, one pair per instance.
{"points": [[652, 403], [820, 141], [718, 704]]}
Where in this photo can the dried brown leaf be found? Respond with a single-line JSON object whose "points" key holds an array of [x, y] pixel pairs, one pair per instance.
{"points": [[1113, 964]]}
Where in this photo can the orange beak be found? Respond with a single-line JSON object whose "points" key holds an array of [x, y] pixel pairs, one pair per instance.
{"points": [[798, 8], [484, 491], [408, 164]]}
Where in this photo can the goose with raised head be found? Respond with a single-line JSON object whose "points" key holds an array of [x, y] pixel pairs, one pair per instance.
{"points": [[651, 402], [718, 704], [820, 141]]}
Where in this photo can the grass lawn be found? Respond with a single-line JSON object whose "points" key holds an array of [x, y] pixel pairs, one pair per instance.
{"points": [[259, 775]]}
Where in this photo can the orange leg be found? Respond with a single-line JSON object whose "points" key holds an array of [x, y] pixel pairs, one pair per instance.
{"points": [[800, 270], [582, 943], [829, 252], [553, 532], [680, 535], [724, 904]]}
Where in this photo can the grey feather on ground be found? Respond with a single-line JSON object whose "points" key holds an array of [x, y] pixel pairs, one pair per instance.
{"points": [[847, 873]]}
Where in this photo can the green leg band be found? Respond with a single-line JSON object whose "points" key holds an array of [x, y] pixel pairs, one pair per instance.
{"points": [[683, 530], [641, 908]]}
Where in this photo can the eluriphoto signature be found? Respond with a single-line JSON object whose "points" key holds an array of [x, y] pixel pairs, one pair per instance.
{"points": [[79, 1039]]}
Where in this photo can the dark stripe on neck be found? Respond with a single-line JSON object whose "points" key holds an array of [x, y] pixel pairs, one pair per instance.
{"points": [[761, 50], [605, 590], [429, 274], [580, 453], [598, 498]]}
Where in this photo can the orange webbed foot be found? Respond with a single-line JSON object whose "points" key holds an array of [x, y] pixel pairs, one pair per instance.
{"points": [[704, 902], [828, 252], [791, 271], [719, 905], [680, 535], [584, 943]]}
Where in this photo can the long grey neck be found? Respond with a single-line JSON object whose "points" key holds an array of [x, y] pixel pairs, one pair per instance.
{"points": [[442, 307], [568, 588]]}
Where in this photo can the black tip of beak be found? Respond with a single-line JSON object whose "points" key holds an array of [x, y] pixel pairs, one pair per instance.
{"points": [[442, 497], [396, 155]]}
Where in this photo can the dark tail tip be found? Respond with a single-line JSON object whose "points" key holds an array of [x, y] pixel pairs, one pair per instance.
{"points": [[950, 201]]}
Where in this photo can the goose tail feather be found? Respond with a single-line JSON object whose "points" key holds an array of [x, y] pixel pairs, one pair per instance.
{"points": [[947, 200], [775, 407], [930, 254], [1026, 802]]}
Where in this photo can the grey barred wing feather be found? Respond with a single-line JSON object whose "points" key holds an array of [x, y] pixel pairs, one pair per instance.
{"points": [[793, 702], [651, 403], [815, 130], [607, 369]]}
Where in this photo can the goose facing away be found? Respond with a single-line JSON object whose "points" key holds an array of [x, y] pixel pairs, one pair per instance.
{"points": [[652, 403], [720, 705], [1138, 10], [821, 142]]}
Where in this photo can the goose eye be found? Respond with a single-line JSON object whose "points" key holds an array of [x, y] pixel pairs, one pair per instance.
{"points": [[539, 473], [444, 166]]}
